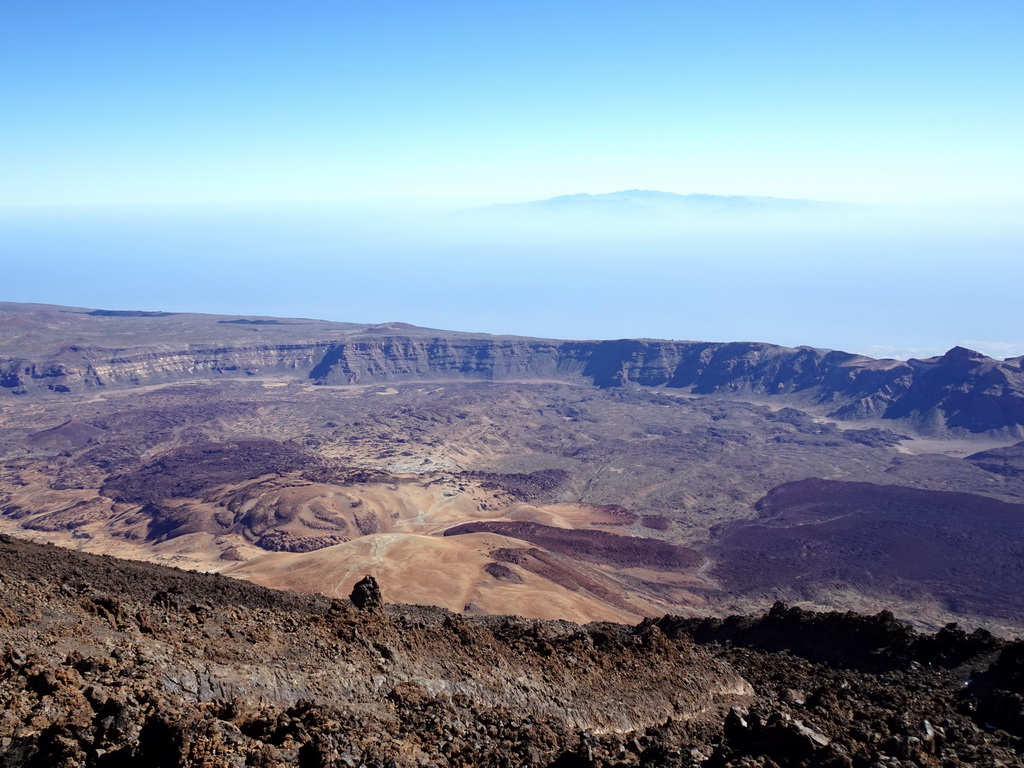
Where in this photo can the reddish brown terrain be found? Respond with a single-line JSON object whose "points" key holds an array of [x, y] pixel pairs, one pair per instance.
{"points": [[108, 663]]}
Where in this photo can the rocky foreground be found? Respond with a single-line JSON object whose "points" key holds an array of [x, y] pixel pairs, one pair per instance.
{"points": [[111, 663]]}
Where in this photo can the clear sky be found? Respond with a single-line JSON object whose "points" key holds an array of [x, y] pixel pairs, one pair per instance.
{"points": [[177, 109], [125, 101]]}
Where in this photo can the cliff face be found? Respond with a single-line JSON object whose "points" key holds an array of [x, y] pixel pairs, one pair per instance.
{"points": [[959, 391], [406, 357], [75, 369]]}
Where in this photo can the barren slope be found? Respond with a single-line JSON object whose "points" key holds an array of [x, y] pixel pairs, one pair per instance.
{"points": [[110, 664]]}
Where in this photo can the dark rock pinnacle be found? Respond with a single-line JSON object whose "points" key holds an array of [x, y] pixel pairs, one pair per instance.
{"points": [[366, 594]]}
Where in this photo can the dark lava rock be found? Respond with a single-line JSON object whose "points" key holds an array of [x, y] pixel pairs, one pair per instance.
{"points": [[876, 643], [995, 697], [366, 594], [502, 573]]}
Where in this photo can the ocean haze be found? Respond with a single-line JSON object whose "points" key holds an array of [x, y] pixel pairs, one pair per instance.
{"points": [[878, 280]]}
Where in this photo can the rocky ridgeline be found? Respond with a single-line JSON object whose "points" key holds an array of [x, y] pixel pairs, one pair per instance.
{"points": [[110, 663], [960, 391]]}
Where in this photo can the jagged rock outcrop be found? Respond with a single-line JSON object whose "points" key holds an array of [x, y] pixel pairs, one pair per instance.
{"points": [[995, 696], [366, 594], [873, 644]]}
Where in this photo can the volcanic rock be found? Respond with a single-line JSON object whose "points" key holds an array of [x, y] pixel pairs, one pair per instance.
{"points": [[366, 594]]}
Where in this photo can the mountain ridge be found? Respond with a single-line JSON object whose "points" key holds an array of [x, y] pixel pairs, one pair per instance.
{"points": [[960, 392]]}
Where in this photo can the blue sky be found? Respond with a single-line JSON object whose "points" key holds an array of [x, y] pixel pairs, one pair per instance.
{"points": [[120, 102], [192, 110]]}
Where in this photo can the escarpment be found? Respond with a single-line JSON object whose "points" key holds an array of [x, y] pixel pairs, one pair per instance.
{"points": [[405, 357], [75, 369], [961, 391]]}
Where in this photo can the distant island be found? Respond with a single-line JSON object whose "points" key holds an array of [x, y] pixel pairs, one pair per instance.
{"points": [[648, 202]]}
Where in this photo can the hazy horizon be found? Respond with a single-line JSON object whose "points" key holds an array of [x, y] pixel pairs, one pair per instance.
{"points": [[337, 160], [872, 280]]}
